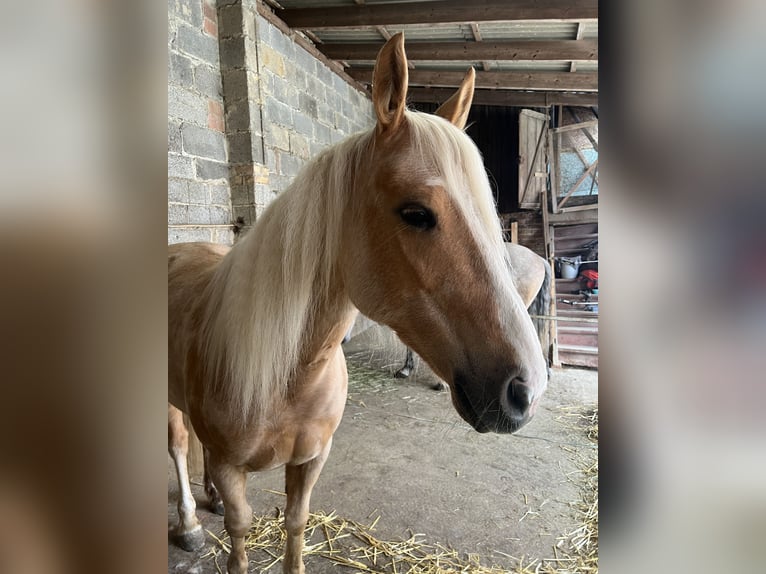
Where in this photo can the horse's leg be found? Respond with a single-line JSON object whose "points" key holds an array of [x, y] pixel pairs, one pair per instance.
{"points": [[216, 504], [231, 482], [409, 364], [188, 534], [299, 482]]}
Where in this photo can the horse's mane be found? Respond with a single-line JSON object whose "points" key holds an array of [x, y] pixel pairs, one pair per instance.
{"points": [[264, 292], [265, 289]]}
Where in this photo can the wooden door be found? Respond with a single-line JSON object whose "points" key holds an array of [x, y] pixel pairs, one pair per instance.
{"points": [[533, 128]]}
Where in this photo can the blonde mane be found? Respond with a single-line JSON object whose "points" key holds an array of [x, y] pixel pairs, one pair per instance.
{"points": [[253, 329]]}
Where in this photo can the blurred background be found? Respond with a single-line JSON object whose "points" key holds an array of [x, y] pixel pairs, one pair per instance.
{"points": [[83, 469]]}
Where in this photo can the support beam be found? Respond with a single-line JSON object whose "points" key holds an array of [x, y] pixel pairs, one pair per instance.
{"points": [[573, 127], [537, 50], [477, 36], [565, 81], [589, 215], [578, 36], [506, 98], [440, 11]]}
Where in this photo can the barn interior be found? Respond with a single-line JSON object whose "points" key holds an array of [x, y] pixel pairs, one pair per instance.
{"points": [[256, 88]]}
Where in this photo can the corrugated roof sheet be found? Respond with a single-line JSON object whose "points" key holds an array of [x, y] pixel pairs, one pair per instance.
{"points": [[460, 32]]}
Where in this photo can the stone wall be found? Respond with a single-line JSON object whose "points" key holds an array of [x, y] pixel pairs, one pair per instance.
{"points": [[199, 205], [306, 106], [247, 107]]}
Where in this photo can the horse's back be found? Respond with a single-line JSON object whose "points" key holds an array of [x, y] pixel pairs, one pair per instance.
{"points": [[528, 271], [195, 255]]}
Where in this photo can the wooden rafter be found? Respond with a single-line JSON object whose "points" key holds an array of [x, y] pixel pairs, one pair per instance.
{"points": [[578, 36], [440, 11], [564, 81], [383, 31], [536, 50], [539, 99], [477, 37]]}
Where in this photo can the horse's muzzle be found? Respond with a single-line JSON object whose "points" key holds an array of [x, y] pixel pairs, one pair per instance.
{"points": [[502, 407]]}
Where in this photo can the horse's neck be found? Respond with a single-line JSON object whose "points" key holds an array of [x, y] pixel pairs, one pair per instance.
{"points": [[287, 286]]}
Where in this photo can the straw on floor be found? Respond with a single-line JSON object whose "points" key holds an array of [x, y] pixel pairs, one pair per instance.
{"points": [[355, 546]]}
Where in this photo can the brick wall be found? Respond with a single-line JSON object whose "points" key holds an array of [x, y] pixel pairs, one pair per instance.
{"points": [[247, 107], [199, 205], [530, 227]]}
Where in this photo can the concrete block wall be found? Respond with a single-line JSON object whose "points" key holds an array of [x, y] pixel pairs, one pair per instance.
{"points": [[199, 204], [306, 106], [247, 107]]}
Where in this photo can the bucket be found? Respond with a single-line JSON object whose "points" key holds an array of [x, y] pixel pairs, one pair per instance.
{"points": [[570, 266]]}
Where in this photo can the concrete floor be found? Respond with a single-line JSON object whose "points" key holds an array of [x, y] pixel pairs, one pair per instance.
{"points": [[403, 453]]}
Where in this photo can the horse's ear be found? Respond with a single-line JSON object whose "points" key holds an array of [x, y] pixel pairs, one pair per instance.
{"points": [[389, 84], [456, 109]]}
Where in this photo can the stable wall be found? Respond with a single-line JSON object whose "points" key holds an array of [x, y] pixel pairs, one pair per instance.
{"points": [[199, 205], [247, 107]]}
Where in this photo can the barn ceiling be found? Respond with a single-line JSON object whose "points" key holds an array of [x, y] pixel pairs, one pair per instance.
{"points": [[525, 52]]}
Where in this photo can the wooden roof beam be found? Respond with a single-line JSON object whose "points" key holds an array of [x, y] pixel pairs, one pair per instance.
{"points": [[477, 36], [578, 36], [566, 81], [536, 50], [507, 98], [440, 11]]}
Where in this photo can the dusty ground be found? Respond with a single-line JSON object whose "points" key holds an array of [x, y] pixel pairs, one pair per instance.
{"points": [[403, 454]]}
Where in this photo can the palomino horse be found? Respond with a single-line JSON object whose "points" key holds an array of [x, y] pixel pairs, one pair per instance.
{"points": [[532, 278], [397, 222]]}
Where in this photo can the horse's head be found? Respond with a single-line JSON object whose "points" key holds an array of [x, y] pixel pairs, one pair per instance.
{"points": [[424, 255]]}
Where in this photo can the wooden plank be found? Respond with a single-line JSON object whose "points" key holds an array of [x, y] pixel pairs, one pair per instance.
{"points": [[506, 98], [579, 126], [578, 36], [577, 184], [575, 208], [515, 50], [477, 36], [514, 232], [553, 318], [589, 216], [555, 170], [578, 330], [504, 80], [578, 359], [587, 350], [440, 11], [532, 130]]}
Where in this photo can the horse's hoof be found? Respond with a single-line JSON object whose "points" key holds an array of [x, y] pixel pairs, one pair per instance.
{"points": [[402, 373], [439, 386], [190, 541], [216, 506]]}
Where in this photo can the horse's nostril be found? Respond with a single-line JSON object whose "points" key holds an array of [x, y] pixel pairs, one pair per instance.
{"points": [[519, 398]]}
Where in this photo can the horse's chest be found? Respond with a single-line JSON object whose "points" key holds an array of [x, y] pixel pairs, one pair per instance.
{"points": [[293, 446]]}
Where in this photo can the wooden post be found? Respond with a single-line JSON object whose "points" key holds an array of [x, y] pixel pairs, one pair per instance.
{"points": [[514, 231]]}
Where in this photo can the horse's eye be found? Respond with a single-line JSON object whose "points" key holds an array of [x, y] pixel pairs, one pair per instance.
{"points": [[418, 216]]}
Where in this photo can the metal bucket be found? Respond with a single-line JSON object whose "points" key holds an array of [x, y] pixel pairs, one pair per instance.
{"points": [[569, 266]]}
